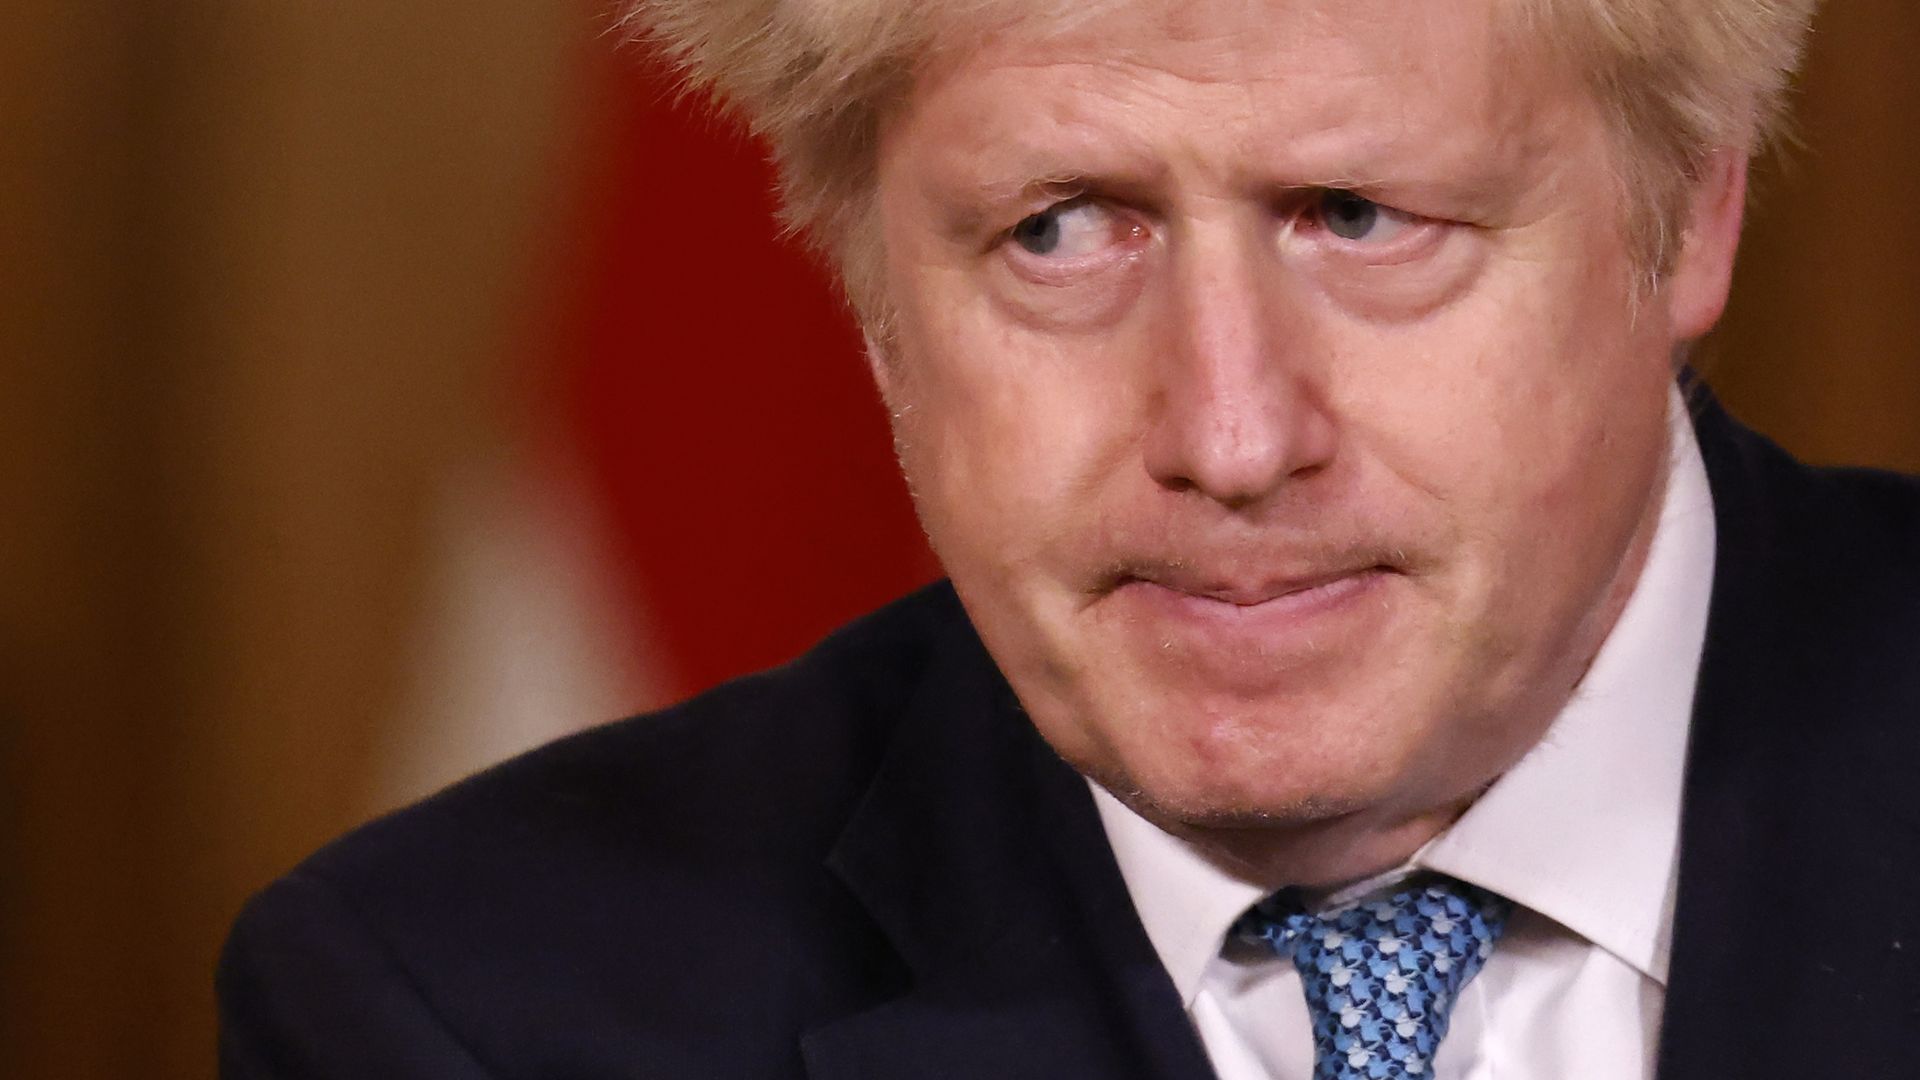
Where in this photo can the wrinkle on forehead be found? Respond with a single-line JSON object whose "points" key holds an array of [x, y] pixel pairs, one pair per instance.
{"points": [[1232, 37], [1344, 96]]}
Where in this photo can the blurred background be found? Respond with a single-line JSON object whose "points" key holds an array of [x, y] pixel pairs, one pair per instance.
{"points": [[386, 387]]}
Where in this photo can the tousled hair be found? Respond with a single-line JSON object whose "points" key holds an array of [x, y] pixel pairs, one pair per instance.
{"points": [[1678, 80]]}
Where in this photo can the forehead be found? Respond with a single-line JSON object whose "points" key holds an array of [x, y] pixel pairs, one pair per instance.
{"points": [[1270, 91]]}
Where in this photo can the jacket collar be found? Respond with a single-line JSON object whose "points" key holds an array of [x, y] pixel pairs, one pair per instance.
{"points": [[1797, 827], [979, 855]]}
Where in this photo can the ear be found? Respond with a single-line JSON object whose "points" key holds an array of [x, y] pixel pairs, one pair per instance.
{"points": [[1703, 271]]}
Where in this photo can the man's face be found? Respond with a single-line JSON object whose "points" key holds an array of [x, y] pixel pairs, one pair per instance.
{"points": [[1271, 385]]}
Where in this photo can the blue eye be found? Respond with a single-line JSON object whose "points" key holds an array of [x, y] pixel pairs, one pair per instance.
{"points": [[1359, 220], [1068, 229], [1349, 216], [1039, 233]]}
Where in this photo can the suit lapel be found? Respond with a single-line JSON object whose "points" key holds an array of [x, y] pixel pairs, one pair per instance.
{"points": [[1797, 922], [981, 858]]}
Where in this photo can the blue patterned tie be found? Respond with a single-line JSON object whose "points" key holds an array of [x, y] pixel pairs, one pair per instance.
{"points": [[1381, 976]]}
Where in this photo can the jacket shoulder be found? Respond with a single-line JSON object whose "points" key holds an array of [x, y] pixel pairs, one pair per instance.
{"points": [[1846, 547], [764, 765], [1875, 506], [639, 869]]}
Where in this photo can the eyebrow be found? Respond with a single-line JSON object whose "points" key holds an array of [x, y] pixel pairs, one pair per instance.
{"points": [[1065, 184], [1448, 184]]}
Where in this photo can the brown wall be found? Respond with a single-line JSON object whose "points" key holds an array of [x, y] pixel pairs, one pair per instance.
{"points": [[1821, 345], [240, 239], [237, 239]]}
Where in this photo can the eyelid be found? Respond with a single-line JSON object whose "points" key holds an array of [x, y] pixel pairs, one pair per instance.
{"points": [[1043, 195], [1009, 217], [1065, 189], [1125, 244], [1417, 235], [1315, 200], [1048, 202], [1113, 214]]}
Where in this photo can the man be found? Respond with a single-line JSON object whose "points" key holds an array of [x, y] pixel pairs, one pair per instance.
{"points": [[1363, 657]]}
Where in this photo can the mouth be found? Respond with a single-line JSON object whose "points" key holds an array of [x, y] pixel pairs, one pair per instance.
{"points": [[1294, 589], [1277, 612]]}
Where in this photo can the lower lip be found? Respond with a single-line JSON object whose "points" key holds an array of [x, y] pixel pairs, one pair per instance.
{"points": [[1302, 614]]}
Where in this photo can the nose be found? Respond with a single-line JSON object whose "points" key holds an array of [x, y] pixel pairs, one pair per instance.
{"points": [[1239, 412]]}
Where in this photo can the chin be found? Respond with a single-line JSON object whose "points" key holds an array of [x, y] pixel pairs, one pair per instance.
{"points": [[1218, 811], [1242, 771]]}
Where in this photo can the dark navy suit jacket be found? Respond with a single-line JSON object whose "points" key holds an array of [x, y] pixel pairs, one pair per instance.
{"points": [[866, 864]]}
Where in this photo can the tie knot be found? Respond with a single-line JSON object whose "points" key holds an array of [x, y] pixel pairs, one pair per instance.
{"points": [[1381, 976]]}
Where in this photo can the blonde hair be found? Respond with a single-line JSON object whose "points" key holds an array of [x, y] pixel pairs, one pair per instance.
{"points": [[816, 78]]}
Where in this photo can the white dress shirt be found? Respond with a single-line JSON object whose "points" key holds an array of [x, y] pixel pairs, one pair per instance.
{"points": [[1582, 834]]}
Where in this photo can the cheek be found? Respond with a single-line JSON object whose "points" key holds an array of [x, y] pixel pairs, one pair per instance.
{"points": [[1515, 387], [1001, 432], [1531, 417]]}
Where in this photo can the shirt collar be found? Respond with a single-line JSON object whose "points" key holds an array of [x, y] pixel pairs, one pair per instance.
{"points": [[1583, 830]]}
